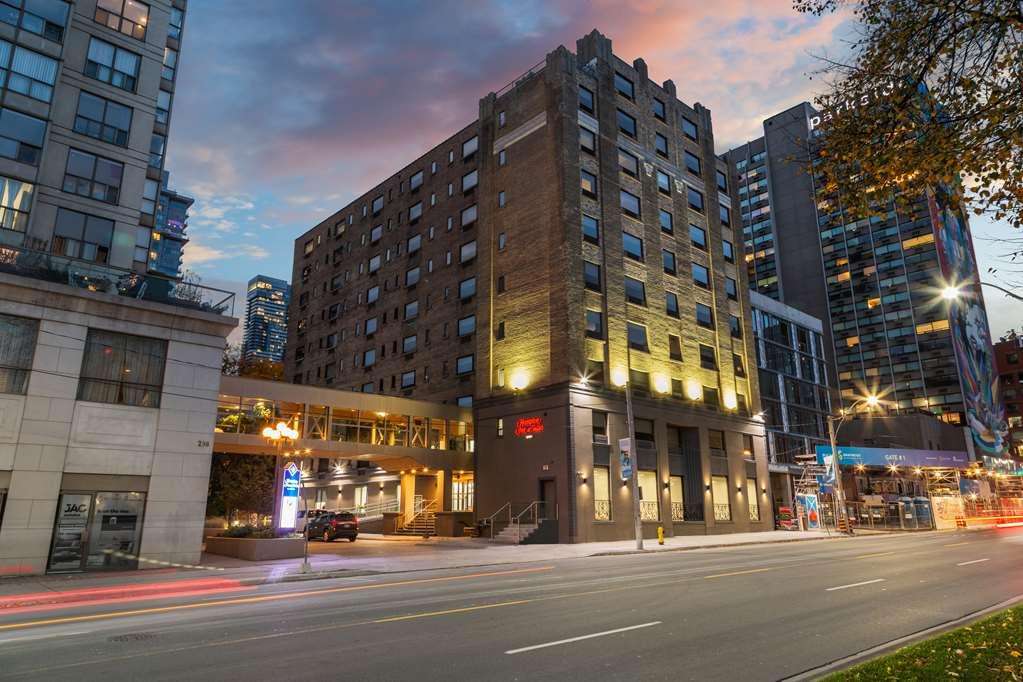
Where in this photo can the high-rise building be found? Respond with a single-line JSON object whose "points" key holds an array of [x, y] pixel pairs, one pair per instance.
{"points": [[169, 239], [792, 361], [577, 237], [1009, 360], [108, 372], [875, 282], [266, 319]]}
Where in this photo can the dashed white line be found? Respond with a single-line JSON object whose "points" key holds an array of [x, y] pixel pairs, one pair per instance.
{"points": [[975, 561], [845, 587], [582, 637]]}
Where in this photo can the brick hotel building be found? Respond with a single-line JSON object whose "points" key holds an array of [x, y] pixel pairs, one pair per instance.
{"points": [[579, 235]]}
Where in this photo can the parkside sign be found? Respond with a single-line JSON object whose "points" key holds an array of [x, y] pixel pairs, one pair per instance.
{"points": [[851, 105]]}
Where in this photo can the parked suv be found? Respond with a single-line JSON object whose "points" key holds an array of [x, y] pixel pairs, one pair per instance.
{"points": [[333, 525]]}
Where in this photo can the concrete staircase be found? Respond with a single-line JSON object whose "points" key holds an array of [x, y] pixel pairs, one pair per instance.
{"points": [[515, 533], [423, 523]]}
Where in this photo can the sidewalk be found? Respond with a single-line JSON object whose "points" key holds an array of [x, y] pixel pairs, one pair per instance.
{"points": [[372, 554]]}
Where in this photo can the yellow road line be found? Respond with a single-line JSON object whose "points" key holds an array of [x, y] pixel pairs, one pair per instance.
{"points": [[725, 575], [266, 598], [871, 556], [446, 612], [957, 544]]}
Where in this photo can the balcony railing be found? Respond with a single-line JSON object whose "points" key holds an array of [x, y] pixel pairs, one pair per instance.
{"points": [[602, 510], [677, 511], [722, 512], [648, 511], [111, 280]]}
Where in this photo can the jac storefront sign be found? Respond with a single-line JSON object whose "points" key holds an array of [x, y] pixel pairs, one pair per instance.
{"points": [[527, 427]]}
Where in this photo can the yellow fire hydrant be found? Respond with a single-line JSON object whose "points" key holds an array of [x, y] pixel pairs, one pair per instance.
{"points": [[660, 535]]}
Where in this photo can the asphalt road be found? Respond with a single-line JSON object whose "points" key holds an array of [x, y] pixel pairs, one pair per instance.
{"points": [[754, 613]]}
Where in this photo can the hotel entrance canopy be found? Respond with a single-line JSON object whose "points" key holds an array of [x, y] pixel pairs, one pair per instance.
{"points": [[394, 433]]}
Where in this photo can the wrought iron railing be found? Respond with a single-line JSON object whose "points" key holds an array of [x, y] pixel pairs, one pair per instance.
{"points": [[722, 512], [648, 511], [754, 511], [677, 511], [602, 510], [112, 280]]}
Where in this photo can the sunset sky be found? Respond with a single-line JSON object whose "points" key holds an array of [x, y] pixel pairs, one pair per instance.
{"points": [[286, 110]]}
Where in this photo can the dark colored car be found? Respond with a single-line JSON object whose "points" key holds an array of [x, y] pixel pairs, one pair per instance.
{"points": [[328, 527]]}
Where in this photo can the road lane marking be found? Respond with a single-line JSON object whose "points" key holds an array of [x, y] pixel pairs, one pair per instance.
{"points": [[957, 544], [845, 587], [975, 561], [582, 637], [871, 556], [268, 598], [725, 575], [446, 612]]}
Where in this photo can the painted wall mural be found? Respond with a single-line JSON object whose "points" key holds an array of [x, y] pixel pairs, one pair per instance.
{"points": [[971, 338]]}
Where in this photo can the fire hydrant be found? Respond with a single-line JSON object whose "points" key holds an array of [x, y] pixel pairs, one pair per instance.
{"points": [[660, 535]]}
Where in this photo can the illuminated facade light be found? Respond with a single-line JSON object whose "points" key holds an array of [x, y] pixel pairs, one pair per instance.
{"points": [[730, 400], [619, 376], [662, 384], [519, 379], [694, 390]]}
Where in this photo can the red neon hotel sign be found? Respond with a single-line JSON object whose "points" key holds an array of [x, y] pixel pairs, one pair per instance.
{"points": [[527, 427]]}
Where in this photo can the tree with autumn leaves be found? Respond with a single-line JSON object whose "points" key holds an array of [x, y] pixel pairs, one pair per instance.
{"points": [[931, 95]]}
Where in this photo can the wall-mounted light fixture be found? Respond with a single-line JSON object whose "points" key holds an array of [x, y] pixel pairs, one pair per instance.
{"points": [[707, 488], [582, 477], [665, 485]]}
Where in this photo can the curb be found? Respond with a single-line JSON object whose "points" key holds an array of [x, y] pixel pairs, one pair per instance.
{"points": [[623, 552]]}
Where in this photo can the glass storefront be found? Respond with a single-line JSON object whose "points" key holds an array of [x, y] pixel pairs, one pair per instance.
{"points": [[96, 531]]}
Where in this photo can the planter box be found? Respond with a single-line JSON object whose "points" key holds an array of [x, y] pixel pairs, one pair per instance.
{"points": [[257, 549]]}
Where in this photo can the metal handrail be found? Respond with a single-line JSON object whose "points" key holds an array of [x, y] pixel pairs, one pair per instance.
{"points": [[372, 509], [492, 519], [535, 69], [425, 508]]}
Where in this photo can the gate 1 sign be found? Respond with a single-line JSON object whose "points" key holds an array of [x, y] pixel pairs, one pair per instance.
{"points": [[527, 426], [289, 496]]}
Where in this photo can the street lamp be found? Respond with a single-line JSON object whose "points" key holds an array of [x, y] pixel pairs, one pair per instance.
{"points": [[952, 293], [277, 437], [834, 424], [624, 378]]}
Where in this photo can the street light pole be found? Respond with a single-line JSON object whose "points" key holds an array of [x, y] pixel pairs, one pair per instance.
{"points": [[633, 450], [840, 510]]}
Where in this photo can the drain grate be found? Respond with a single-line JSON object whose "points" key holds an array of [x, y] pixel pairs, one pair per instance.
{"points": [[132, 637]]}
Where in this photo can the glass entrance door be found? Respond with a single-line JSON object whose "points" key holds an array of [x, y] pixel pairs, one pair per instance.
{"points": [[97, 531]]}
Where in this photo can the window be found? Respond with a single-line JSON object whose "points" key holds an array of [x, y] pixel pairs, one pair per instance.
{"points": [[177, 19], [470, 146], [695, 199], [502, 157], [502, 119], [408, 379], [470, 180], [369, 357], [586, 100], [594, 324], [719, 494], [28, 72], [624, 86], [156, 148], [708, 359], [17, 346], [632, 246], [626, 124], [415, 211], [661, 144], [663, 183], [502, 241], [129, 17], [467, 288], [416, 181], [738, 366], [103, 119], [587, 140], [601, 493], [411, 310], [467, 252], [591, 276], [373, 266], [465, 364], [408, 344], [21, 136], [78, 235], [371, 327], [47, 18], [637, 337], [735, 326], [667, 222], [752, 499], [502, 199], [92, 176], [689, 129], [112, 65], [635, 291], [731, 290], [630, 203], [372, 294], [725, 215], [704, 315], [466, 325], [668, 261], [698, 236], [671, 304], [591, 229], [500, 284], [628, 163], [414, 243], [701, 276], [722, 181], [15, 201], [588, 183], [142, 238], [468, 217], [412, 276], [369, 387], [674, 347], [657, 106], [378, 204], [499, 331], [728, 251], [122, 369]]}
